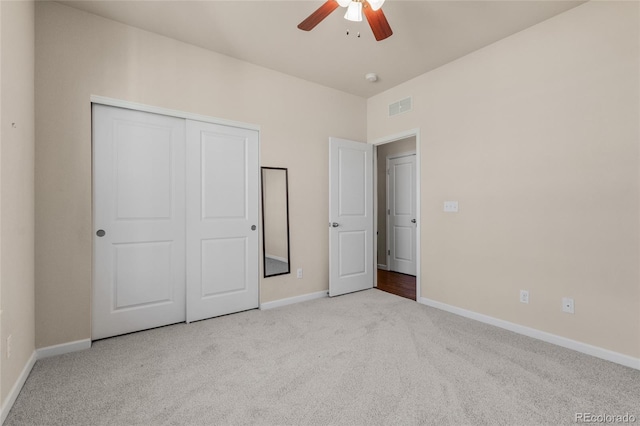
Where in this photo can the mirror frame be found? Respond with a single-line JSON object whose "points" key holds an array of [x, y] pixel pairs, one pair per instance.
{"points": [[264, 253]]}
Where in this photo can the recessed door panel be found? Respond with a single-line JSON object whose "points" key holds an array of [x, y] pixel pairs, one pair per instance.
{"points": [[403, 251], [224, 175], [352, 174], [402, 196], [224, 263], [143, 158], [142, 274], [352, 253]]}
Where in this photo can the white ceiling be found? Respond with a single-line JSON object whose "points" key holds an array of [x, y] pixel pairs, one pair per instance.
{"points": [[427, 34]]}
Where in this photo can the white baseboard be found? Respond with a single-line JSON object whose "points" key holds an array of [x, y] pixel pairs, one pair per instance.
{"points": [[17, 387], [292, 300], [63, 348], [36, 355], [606, 354]]}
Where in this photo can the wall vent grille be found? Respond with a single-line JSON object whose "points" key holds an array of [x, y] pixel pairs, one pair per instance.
{"points": [[400, 107]]}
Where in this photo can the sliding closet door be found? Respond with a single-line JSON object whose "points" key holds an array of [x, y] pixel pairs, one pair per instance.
{"points": [[222, 220], [139, 221]]}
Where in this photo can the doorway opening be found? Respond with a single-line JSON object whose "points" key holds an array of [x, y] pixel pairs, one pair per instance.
{"points": [[402, 285], [397, 212]]}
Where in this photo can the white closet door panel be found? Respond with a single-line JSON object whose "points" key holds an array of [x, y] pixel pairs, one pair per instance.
{"points": [[222, 220], [139, 263]]}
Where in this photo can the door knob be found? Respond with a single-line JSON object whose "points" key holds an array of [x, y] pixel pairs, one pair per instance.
{"points": [[100, 233], [335, 225], [413, 221], [253, 227]]}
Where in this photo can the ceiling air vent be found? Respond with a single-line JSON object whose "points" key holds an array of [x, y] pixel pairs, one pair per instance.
{"points": [[402, 106]]}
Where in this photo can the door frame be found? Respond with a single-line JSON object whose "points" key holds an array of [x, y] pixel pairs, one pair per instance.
{"points": [[388, 236], [381, 141], [103, 100]]}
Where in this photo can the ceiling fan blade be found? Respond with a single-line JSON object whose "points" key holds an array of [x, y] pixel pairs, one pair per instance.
{"points": [[378, 22], [316, 17]]}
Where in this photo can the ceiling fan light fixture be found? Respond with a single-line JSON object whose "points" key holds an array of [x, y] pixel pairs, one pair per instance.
{"points": [[376, 4], [355, 9], [354, 12], [344, 3]]}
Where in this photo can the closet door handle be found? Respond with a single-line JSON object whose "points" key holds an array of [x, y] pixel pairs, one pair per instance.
{"points": [[101, 233], [253, 227], [413, 221]]}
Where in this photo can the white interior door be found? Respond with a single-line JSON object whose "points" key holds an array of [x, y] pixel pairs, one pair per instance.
{"points": [[351, 263], [402, 214], [222, 220], [138, 217]]}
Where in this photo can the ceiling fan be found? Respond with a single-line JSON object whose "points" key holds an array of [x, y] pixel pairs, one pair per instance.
{"points": [[355, 8]]}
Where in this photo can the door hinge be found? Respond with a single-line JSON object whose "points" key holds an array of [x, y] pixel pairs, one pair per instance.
{"points": [[389, 252], [388, 211], [389, 172]]}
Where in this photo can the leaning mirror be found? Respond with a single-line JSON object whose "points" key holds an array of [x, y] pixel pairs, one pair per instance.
{"points": [[275, 221]]}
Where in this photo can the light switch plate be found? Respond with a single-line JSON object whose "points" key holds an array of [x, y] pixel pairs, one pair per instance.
{"points": [[451, 206]]}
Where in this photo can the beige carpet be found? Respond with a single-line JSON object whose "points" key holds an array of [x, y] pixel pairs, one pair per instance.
{"points": [[369, 358]]}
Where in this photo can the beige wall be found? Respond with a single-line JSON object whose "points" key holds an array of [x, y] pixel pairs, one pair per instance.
{"points": [[537, 138], [2, 348], [384, 151], [16, 183], [77, 55]]}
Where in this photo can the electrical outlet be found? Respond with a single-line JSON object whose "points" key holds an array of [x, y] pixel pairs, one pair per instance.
{"points": [[9, 340], [299, 275], [567, 305], [524, 296]]}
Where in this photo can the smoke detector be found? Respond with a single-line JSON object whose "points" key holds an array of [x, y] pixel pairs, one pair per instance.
{"points": [[371, 77]]}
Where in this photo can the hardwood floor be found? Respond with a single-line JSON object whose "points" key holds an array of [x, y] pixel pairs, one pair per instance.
{"points": [[398, 284]]}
